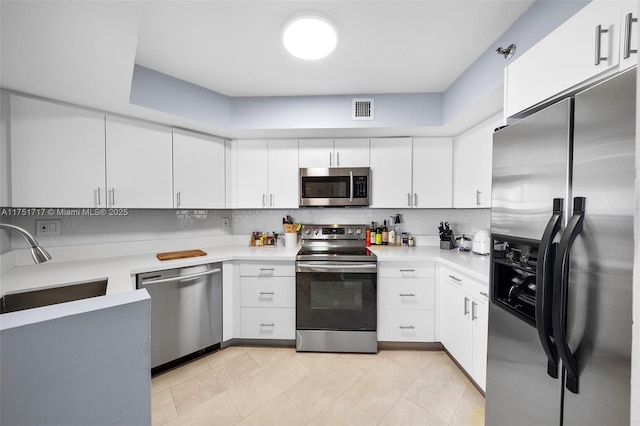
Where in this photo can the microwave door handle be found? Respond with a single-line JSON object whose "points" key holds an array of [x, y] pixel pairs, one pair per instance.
{"points": [[351, 187]]}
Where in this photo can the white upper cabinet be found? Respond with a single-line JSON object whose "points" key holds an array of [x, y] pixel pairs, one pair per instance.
{"points": [[283, 174], [198, 171], [391, 173], [586, 47], [266, 173], [432, 173], [410, 173], [139, 164], [351, 152], [472, 153], [250, 174], [315, 153], [333, 153], [629, 34], [57, 155]]}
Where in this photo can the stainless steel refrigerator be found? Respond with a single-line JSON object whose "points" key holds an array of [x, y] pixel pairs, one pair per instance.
{"points": [[563, 202]]}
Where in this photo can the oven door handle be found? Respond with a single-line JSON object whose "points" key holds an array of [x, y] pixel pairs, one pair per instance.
{"points": [[336, 267]]}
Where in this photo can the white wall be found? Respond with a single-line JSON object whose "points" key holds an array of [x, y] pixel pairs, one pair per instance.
{"points": [[149, 225], [78, 366]]}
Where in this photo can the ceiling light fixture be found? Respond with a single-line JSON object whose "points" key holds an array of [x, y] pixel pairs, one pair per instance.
{"points": [[309, 35]]}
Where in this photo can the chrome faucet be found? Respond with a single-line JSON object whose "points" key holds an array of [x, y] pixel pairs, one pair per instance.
{"points": [[39, 254]]}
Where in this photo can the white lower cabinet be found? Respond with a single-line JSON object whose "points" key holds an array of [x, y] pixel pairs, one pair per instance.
{"points": [[480, 327], [406, 301], [267, 323], [405, 325], [464, 322], [267, 300]]}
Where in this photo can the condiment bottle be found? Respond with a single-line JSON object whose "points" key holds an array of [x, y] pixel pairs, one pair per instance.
{"points": [[378, 235], [392, 234], [385, 234], [372, 234]]}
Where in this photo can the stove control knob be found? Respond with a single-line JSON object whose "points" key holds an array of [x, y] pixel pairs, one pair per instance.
{"points": [[307, 231], [350, 231], [316, 231], [358, 231]]}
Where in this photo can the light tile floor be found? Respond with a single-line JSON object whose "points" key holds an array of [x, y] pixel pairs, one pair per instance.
{"points": [[279, 386]]}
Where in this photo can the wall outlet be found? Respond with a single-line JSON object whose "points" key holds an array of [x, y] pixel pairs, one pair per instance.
{"points": [[45, 228], [226, 223]]}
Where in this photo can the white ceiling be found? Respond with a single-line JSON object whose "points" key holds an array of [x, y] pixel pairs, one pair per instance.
{"points": [[83, 51], [234, 48]]}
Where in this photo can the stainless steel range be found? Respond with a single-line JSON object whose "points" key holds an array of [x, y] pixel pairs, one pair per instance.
{"points": [[336, 290]]}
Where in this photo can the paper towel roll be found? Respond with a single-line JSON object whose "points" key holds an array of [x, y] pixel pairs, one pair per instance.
{"points": [[291, 239]]}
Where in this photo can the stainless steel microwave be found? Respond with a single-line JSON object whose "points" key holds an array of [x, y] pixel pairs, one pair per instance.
{"points": [[335, 187]]}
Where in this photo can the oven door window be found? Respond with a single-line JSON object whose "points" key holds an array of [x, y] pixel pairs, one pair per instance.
{"points": [[336, 301], [325, 187]]}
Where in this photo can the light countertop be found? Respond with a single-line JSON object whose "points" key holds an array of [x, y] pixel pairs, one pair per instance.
{"points": [[121, 270]]}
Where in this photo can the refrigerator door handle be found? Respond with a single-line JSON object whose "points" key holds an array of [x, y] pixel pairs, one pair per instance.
{"points": [[544, 288], [561, 279]]}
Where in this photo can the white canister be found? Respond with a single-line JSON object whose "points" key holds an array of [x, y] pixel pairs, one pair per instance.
{"points": [[291, 239]]}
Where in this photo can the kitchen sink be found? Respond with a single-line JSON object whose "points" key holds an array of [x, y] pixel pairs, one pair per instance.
{"points": [[51, 296]]}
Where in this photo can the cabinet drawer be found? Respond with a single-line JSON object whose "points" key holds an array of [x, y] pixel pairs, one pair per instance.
{"points": [[276, 292], [406, 269], [285, 269], [471, 285], [268, 323], [399, 293], [397, 325]]}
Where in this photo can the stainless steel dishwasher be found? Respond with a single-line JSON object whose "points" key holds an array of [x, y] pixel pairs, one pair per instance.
{"points": [[186, 313]]}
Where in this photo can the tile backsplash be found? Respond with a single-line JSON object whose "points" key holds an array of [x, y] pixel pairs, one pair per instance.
{"points": [[146, 225]]}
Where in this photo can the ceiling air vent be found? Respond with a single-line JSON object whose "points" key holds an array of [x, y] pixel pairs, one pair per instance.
{"points": [[362, 109]]}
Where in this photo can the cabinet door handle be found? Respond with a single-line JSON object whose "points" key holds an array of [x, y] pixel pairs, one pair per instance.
{"points": [[627, 51], [408, 199], [407, 295], [264, 200], [98, 197], [474, 314], [407, 327], [113, 197], [407, 270], [484, 293], [267, 293], [415, 199], [466, 306], [598, 56], [453, 277], [270, 200], [478, 202], [178, 199], [337, 159], [330, 159], [267, 325]]}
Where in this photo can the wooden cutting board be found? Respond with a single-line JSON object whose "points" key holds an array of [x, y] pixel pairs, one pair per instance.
{"points": [[173, 255]]}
